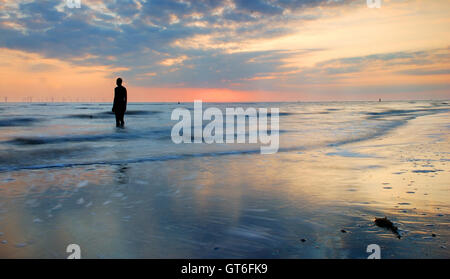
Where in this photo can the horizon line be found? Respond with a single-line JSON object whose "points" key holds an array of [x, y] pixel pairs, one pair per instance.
{"points": [[243, 102]]}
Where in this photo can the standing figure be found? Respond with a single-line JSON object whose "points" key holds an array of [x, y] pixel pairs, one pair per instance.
{"points": [[120, 103]]}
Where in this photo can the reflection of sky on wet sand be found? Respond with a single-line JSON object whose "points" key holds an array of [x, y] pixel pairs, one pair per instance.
{"points": [[241, 206]]}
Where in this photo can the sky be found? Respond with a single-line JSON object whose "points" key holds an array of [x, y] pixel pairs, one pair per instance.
{"points": [[225, 51]]}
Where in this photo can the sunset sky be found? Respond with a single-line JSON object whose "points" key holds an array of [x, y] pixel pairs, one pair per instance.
{"points": [[233, 50]]}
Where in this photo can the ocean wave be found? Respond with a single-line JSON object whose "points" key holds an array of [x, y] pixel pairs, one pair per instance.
{"points": [[109, 114], [13, 122], [388, 124], [10, 156], [141, 160], [159, 134], [376, 132], [88, 138], [122, 162], [405, 112]]}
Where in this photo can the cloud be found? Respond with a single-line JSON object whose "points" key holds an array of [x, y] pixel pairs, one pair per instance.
{"points": [[391, 61], [174, 61], [425, 72], [118, 28], [259, 6]]}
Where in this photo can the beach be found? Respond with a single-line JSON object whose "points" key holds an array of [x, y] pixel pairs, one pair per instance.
{"points": [[68, 176]]}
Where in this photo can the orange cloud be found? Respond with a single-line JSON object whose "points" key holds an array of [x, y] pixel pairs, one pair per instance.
{"points": [[24, 75]]}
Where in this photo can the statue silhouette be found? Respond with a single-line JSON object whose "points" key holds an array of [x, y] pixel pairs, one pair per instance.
{"points": [[120, 103]]}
